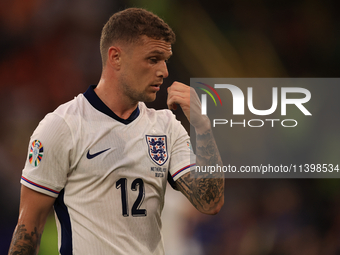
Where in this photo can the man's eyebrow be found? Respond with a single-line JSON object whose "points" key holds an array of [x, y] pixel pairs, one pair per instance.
{"points": [[159, 52]]}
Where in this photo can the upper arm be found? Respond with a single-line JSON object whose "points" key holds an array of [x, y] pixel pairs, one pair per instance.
{"points": [[206, 194], [182, 156], [34, 207], [49, 155]]}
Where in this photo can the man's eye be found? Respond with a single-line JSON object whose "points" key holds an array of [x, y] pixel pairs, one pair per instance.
{"points": [[153, 60]]}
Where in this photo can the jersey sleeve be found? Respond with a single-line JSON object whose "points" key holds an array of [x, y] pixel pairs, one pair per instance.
{"points": [[183, 158], [48, 160]]}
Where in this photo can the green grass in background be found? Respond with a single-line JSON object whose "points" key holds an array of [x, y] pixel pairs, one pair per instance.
{"points": [[49, 239]]}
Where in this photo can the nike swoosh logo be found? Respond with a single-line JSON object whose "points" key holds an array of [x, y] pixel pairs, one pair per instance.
{"points": [[91, 156]]}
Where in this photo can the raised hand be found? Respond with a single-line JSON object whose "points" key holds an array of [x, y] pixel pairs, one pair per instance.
{"points": [[186, 97]]}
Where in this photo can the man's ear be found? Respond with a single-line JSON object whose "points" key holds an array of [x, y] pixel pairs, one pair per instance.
{"points": [[114, 57]]}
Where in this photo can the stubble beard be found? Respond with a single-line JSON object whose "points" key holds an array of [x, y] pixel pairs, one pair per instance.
{"points": [[133, 94]]}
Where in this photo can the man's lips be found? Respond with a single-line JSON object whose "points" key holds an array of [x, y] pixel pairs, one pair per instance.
{"points": [[156, 86]]}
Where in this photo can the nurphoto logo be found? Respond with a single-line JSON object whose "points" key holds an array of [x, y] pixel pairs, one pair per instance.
{"points": [[280, 98]]}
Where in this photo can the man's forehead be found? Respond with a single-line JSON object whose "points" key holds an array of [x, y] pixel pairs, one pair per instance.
{"points": [[157, 46]]}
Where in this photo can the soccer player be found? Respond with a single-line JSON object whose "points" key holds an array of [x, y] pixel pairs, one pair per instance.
{"points": [[103, 159]]}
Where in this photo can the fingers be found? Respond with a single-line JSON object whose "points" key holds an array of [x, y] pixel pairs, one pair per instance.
{"points": [[178, 86], [181, 94], [178, 93]]}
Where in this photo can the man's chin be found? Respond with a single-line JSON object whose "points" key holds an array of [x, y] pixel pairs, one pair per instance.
{"points": [[149, 99]]}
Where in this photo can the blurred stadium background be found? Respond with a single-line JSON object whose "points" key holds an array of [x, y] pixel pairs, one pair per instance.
{"points": [[49, 52]]}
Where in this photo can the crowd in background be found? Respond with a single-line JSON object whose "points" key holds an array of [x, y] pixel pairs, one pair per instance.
{"points": [[49, 53]]}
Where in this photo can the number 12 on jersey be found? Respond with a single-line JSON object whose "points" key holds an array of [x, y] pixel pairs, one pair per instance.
{"points": [[135, 210]]}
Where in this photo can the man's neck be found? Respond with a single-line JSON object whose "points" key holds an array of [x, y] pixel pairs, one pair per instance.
{"points": [[113, 98]]}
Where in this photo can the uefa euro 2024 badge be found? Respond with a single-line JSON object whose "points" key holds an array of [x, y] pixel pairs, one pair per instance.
{"points": [[36, 153]]}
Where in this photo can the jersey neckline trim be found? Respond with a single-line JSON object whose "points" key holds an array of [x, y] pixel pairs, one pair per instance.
{"points": [[97, 103]]}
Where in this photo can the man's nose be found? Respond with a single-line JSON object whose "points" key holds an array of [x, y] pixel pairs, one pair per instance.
{"points": [[163, 71]]}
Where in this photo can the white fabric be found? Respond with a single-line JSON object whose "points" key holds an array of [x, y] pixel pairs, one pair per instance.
{"points": [[92, 197]]}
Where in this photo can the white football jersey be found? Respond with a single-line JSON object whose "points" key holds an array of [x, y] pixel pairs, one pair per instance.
{"points": [[108, 175]]}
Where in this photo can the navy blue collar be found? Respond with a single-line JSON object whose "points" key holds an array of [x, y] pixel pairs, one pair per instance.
{"points": [[97, 103]]}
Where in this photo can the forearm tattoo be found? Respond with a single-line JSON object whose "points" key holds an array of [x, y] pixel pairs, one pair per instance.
{"points": [[24, 242], [204, 193]]}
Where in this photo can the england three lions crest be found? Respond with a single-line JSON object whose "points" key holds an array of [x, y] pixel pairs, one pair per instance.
{"points": [[157, 148]]}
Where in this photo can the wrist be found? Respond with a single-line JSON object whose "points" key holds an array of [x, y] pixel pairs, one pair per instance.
{"points": [[203, 126]]}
